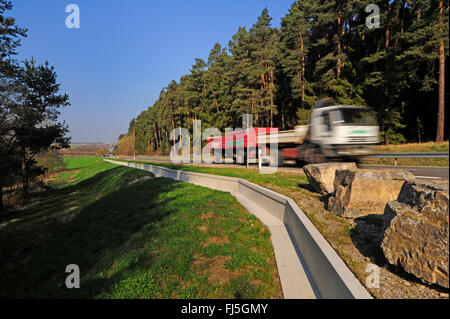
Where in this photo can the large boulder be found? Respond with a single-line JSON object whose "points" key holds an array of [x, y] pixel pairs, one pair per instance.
{"points": [[365, 192], [321, 176], [416, 232]]}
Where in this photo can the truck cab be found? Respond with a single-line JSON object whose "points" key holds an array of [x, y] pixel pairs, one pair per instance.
{"points": [[344, 131]]}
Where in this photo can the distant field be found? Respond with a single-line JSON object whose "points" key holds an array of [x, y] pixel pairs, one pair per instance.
{"points": [[415, 147], [436, 162], [411, 148], [153, 238]]}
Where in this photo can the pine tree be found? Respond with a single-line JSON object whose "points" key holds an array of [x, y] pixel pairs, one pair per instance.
{"points": [[10, 37], [323, 48], [262, 55], [35, 126], [243, 95], [294, 43]]}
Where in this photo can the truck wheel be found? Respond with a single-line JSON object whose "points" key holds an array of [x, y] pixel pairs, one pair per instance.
{"points": [[300, 163], [315, 156], [280, 158], [319, 157]]}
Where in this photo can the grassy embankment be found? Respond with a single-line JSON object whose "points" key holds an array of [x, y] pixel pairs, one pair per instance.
{"points": [[352, 240], [153, 238], [411, 148]]}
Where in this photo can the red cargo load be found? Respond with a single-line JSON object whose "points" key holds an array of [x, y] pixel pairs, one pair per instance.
{"points": [[238, 138]]}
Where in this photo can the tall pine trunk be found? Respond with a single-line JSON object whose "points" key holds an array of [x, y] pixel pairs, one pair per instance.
{"points": [[2, 207], [386, 44], [271, 89], [338, 66], [24, 178], [302, 69], [440, 123]]}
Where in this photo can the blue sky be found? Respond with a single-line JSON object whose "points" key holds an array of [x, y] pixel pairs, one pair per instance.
{"points": [[125, 52]]}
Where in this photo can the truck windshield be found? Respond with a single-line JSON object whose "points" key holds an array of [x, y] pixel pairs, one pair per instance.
{"points": [[354, 116]]}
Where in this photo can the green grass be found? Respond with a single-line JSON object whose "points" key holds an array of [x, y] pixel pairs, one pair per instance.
{"points": [[81, 162], [282, 179], [434, 162], [156, 238], [411, 148], [79, 169], [415, 147]]}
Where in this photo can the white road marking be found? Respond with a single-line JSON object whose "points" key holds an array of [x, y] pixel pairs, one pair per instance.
{"points": [[428, 177]]}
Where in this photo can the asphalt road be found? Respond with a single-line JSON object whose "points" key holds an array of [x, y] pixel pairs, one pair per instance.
{"points": [[421, 172]]}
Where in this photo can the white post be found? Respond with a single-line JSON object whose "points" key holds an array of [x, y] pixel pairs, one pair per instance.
{"points": [[259, 158], [248, 153]]}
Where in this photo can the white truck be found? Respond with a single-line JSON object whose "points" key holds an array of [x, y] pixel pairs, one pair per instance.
{"points": [[335, 132]]}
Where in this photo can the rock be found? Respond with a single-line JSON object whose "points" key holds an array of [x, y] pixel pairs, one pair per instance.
{"points": [[321, 176], [416, 233], [364, 192]]}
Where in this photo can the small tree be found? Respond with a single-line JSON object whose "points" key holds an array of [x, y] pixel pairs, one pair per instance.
{"points": [[125, 146], [10, 35], [35, 114], [303, 116], [103, 151], [51, 160], [390, 126]]}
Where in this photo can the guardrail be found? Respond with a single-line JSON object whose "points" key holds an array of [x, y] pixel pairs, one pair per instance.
{"points": [[378, 155], [395, 156], [307, 264]]}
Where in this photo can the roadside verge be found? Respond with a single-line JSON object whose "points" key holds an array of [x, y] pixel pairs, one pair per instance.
{"points": [[308, 266]]}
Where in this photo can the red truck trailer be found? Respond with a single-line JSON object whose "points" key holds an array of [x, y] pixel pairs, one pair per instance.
{"points": [[234, 144]]}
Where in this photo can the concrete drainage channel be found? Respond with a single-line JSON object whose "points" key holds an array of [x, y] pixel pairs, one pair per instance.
{"points": [[308, 266]]}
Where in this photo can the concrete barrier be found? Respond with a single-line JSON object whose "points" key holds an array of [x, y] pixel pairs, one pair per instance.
{"points": [[307, 265]]}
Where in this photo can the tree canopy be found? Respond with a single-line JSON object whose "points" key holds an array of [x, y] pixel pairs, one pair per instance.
{"points": [[29, 110], [322, 49]]}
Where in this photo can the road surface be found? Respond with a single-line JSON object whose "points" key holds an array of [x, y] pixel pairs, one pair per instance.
{"points": [[422, 172]]}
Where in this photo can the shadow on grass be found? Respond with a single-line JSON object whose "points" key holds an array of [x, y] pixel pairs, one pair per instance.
{"points": [[54, 197], [36, 249], [306, 186], [323, 198], [367, 236]]}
